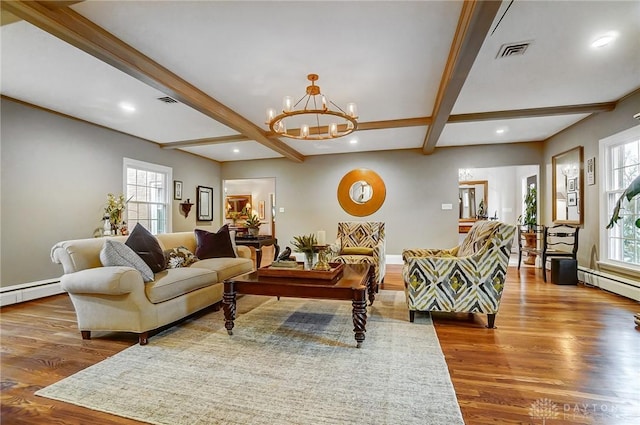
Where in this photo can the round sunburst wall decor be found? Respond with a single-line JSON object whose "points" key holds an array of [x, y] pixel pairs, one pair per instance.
{"points": [[361, 192]]}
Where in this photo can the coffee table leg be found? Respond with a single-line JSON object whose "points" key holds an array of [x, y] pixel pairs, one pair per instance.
{"points": [[229, 305], [372, 285], [359, 314]]}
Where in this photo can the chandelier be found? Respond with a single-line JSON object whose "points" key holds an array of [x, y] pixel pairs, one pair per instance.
{"points": [[312, 120]]}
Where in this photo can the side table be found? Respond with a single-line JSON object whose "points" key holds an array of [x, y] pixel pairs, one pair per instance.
{"points": [[257, 242]]}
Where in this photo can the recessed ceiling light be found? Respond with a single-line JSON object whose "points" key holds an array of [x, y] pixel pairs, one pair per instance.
{"points": [[604, 40], [127, 107], [353, 141], [236, 150], [500, 131]]}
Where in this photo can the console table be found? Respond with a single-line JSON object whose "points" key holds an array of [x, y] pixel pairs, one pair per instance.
{"points": [[258, 242]]}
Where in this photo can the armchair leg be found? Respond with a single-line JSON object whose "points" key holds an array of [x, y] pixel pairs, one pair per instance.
{"points": [[85, 334], [491, 320], [519, 258], [143, 338], [412, 315]]}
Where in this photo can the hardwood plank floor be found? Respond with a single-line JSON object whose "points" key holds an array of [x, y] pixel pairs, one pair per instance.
{"points": [[574, 348]]}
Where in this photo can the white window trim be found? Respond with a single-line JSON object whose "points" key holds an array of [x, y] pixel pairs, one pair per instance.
{"points": [[148, 166], [628, 135]]}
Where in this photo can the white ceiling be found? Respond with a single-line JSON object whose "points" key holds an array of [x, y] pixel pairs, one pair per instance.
{"points": [[388, 57]]}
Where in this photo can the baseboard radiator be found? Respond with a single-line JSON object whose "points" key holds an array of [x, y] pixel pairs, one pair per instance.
{"points": [[609, 282], [29, 291]]}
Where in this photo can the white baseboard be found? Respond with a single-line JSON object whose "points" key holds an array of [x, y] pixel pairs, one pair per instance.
{"points": [[613, 283], [29, 291], [394, 259]]}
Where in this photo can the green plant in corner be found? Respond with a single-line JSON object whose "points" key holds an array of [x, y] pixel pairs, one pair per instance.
{"points": [[630, 192], [530, 217]]}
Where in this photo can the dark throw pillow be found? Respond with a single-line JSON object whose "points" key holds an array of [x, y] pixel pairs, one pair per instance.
{"points": [[214, 245], [147, 247]]}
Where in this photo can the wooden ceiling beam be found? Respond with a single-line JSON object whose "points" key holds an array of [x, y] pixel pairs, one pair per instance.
{"points": [[474, 24], [70, 26], [588, 108]]}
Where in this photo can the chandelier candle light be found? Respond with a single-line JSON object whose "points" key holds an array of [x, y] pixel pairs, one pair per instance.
{"points": [[314, 120]]}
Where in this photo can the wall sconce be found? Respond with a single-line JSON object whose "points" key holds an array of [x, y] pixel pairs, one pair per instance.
{"points": [[186, 207]]}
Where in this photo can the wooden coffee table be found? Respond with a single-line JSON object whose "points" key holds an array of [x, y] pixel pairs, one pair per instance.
{"points": [[353, 285]]}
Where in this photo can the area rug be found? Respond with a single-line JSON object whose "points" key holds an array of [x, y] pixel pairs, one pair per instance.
{"points": [[289, 361]]}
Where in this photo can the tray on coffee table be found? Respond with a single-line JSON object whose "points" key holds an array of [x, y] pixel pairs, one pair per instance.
{"points": [[299, 272]]}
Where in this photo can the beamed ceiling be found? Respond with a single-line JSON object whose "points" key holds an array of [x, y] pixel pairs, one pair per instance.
{"points": [[424, 74]]}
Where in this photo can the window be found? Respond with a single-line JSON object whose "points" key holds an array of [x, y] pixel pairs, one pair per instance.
{"points": [[147, 188], [620, 162]]}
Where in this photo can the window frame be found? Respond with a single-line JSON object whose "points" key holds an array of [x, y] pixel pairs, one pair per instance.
{"points": [[156, 168], [604, 149]]}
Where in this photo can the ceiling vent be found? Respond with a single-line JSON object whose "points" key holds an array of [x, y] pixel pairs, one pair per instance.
{"points": [[167, 99], [513, 49]]}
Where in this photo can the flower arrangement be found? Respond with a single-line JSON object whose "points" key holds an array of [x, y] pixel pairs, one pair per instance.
{"points": [[114, 212]]}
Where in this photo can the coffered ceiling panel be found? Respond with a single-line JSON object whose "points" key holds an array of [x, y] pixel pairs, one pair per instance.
{"points": [[505, 131]]}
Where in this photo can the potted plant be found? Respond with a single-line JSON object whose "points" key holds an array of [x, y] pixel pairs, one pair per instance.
{"points": [[305, 245], [530, 218], [253, 224]]}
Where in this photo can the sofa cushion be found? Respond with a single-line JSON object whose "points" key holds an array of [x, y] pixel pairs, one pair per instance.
{"points": [[179, 257], [147, 247], [116, 253], [172, 283], [214, 245], [225, 267]]}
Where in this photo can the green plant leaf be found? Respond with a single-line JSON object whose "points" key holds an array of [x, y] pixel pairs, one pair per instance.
{"points": [[630, 192]]}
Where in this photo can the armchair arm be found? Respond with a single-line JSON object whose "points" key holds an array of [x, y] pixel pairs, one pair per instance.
{"points": [[117, 280], [379, 255], [426, 252]]}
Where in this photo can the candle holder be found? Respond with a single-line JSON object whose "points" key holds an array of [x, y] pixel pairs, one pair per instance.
{"points": [[322, 264]]}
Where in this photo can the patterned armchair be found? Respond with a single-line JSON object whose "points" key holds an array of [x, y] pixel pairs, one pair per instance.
{"points": [[361, 242], [468, 278]]}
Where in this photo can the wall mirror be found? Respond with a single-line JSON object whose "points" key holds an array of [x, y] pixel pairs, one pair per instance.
{"points": [[472, 199], [204, 201], [238, 206], [361, 192], [567, 183]]}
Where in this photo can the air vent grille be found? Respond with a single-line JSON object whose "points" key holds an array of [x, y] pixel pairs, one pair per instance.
{"points": [[167, 99], [513, 49]]}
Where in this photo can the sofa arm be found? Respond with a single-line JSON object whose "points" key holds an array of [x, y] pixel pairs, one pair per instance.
{"points": [[117, 280], [243, 251]]}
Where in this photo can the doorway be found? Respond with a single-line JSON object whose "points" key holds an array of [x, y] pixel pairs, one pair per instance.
{"points": [[259, 199]]}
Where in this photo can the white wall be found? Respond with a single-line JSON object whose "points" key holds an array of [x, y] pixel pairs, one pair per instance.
{"points": [[417, 185], [56, 173]]}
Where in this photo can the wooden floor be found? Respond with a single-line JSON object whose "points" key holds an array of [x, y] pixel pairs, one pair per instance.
{"points": [[574, 348]]}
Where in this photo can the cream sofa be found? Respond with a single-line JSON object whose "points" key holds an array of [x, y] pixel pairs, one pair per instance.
{"points": [[116, 298]]}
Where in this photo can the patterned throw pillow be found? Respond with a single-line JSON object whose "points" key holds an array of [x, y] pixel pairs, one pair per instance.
{"points": [[179, 257], [116, 253], [357, 250]]}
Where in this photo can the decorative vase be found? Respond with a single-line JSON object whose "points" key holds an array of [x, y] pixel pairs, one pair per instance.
{"points": [[309, 257], [254, 231]]}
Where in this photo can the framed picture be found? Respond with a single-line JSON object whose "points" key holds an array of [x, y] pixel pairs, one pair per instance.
{"points": [[204, 201], [567, 169], [591, 171], [261, 210], [177, 190]]}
